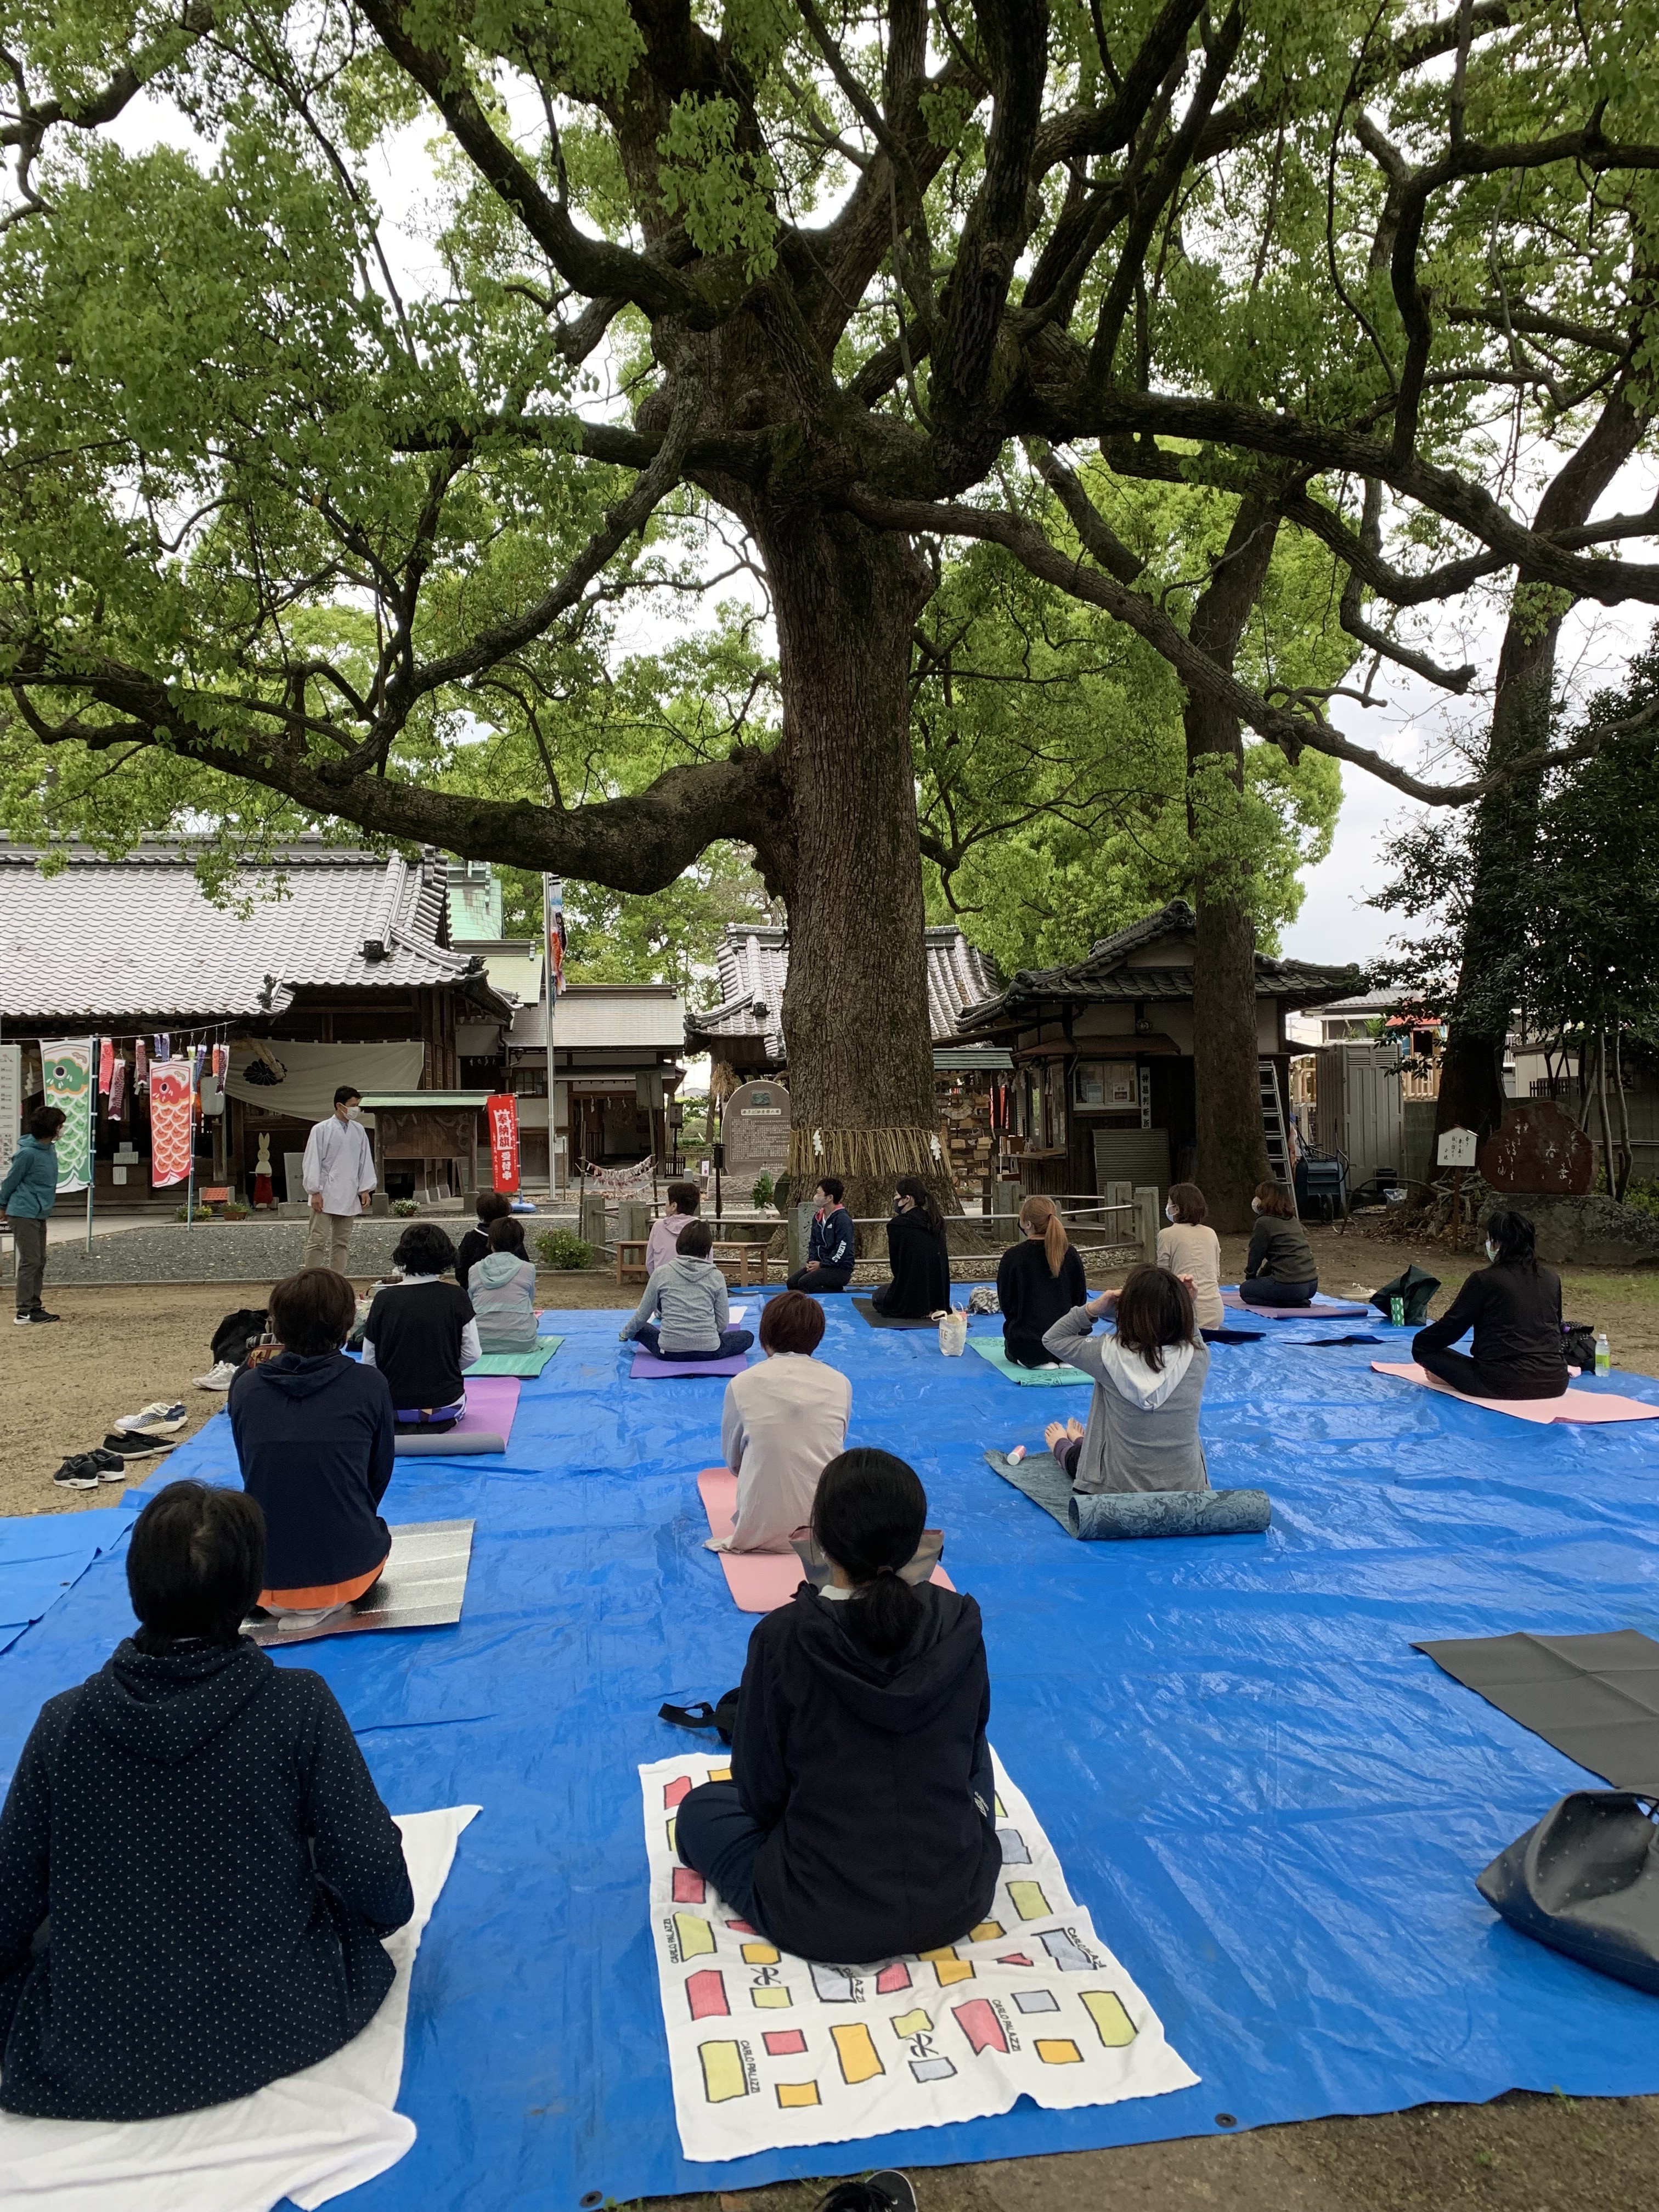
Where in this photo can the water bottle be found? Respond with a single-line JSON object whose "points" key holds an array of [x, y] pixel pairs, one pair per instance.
{"points": [[1397, 1311], [1603, 1354]]}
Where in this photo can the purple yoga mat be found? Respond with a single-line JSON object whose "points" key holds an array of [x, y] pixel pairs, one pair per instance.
{"points": [[491, 1403], [652, 1367]]}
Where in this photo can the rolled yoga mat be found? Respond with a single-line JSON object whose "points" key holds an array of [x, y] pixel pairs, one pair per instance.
{"points": [[446, 1444], [1109, 1515]]}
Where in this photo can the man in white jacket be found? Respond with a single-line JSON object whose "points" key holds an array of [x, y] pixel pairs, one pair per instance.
{"points": [[339, 1179]]}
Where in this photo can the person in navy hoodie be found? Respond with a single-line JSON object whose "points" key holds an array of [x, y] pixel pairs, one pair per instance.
{"points": [[196, 1867], [315, 1435], [830, 1248], [858, 1822]]}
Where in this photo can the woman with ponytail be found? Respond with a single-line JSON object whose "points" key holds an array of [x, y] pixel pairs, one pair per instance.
{"points": [[857, 1824], [1038, 1279], [917, 1253]]}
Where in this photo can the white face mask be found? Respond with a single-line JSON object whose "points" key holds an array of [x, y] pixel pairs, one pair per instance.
{"points": [[1491, 1249], [1169, 1214], [354, 1113], [1255, 1205]]}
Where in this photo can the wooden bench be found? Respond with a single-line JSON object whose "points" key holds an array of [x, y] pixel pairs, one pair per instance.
{"points": [[630, 1260], [741, 1263]]}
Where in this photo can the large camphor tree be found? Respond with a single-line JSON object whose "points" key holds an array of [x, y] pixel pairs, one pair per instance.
{"points": [[855, 283]]}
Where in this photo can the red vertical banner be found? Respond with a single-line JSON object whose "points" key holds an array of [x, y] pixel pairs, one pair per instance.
{"points": [[503, 1114]]}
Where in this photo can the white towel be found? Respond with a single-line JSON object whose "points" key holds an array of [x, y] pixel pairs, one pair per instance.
{"points": [[309, 2137]]}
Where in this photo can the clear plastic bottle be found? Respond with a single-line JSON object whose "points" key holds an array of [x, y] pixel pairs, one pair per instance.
{"points": [[1603, 1354]]}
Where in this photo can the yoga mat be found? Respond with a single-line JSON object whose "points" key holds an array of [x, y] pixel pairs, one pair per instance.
{"points": [[990, 1350], [1591, 1405], [1242, 1766], [652, 1367], [1232, 1335], [1328, 1309], [422, 1585], [1119, 1515], [447, 1443], [524, 1364], [1595, 1697], [303, 2139], [1029, 2002], [1318, 1343], [760, 1581], [866, 1312]]}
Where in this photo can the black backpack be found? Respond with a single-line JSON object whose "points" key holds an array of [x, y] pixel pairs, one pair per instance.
{"points": [[237, 1335]]}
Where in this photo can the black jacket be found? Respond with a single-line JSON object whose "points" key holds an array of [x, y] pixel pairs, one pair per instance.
{"points": [[218, 1869], [861, 1769], [830, 1242], [1032, 1300], [921, 1266], [316, 1438], [1280, 1250], [1515, 1314], [415, 1329], [470, 1251]]}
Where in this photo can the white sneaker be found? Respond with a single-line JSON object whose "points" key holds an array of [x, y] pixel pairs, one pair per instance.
{"points": [[221, 1378]]}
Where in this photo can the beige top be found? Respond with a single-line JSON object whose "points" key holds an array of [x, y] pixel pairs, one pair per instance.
{"points": [[784, 1420], [1192, 1248]]}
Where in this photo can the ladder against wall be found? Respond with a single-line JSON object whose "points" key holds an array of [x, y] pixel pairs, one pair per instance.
{"points": [[1272, 1127]]}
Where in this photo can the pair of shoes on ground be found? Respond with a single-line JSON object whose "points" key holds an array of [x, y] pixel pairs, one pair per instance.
{"points": [[86, 1470], [219, 1376], [33, 1314], [880, 2192]]}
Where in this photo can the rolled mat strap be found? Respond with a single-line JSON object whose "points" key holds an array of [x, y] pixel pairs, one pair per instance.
{"points": [[456, 1443], [1115, 1515]]}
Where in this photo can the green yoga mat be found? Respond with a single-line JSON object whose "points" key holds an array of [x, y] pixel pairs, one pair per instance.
{"points": [[518, 1363], [989, 1348]]}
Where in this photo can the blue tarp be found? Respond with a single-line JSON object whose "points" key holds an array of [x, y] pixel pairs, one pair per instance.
{"points": [[1273, 1807], [44, 1554]]}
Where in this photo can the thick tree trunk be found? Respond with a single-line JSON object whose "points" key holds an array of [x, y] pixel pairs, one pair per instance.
{"points": [[855, 1010], [1232, 1152], [1471, 1094]]}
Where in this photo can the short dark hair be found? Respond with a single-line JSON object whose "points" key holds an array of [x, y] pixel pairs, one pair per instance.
{"points": [[424, 1249], [45, 1123], [832, 1187], [346, 1093], [790, 1322], [492, 1205], [868, 1516], [1189, 1202], [506, 1235], [696, 1241], [313, 1312], [1154, 1308], [1276, 1198], [1514, 1235], [685, 1197], [197, 1562]]}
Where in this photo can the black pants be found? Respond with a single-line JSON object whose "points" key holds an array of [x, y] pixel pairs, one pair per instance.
{"points": [[29, 1243], [820, 1279], [1068, 1456], [1472, 1380], [1263, 1291]]}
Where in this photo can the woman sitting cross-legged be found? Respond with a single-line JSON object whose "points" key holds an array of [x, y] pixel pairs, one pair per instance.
{"points": [[1514, 1307], [421, 1333], [857, 1824], [196, 1869], [1038, 1279], [783, 1422], [315, 1438], [916, 1255], [684, 1314], [1279, 1268], [1189, 1248], [503, 1289], [1148, 1384]]}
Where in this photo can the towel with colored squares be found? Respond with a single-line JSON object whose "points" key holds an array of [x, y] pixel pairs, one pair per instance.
{"points": [[767, 2049]]}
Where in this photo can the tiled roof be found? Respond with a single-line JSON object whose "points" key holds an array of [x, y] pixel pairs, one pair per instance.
{"points": [[1109, 973], [107, 942], [754, 967], [617, 1017]]}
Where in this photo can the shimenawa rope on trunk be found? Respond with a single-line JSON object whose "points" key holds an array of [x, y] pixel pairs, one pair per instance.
{"points": [[874, 1152]]}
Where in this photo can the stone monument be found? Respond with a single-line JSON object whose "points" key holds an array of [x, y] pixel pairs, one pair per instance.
{"points": [[754, 1130]]}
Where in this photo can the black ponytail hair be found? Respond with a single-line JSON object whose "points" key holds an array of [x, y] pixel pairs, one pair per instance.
{"points": [[868, 1517]]}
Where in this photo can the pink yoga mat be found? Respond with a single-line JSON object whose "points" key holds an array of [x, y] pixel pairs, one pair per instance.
{"points": [[1322, 1309], [1570, 1405], [491, 1403], [652, 1367], [760, 1581]]}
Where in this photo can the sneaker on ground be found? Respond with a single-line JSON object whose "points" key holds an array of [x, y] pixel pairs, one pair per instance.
{"points": [[34, 1313], [219, 1377], [129, 1445], [77, 1473], [110, 1465], [157, 1419], [882, 2192]]}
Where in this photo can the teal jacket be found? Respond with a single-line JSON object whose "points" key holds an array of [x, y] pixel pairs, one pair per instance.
{"points": [[30, 1189]]}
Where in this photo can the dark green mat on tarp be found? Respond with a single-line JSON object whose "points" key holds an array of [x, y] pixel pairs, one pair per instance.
{"points": [[1117, 1516]]}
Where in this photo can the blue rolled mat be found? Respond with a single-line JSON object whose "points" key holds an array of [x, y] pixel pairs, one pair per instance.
{"points": [[452, 1443], [1108, 1515]]}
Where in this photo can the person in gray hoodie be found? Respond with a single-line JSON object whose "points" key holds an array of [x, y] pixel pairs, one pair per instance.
{"points": [[503, 1288], [684, 1312], [1148, 1384]]}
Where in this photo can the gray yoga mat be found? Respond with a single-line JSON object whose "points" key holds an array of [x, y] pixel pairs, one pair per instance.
{"points": [[421, 1586], [1118, 1515], [884, 1320], [446, 1444], [1596, 1698]]}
